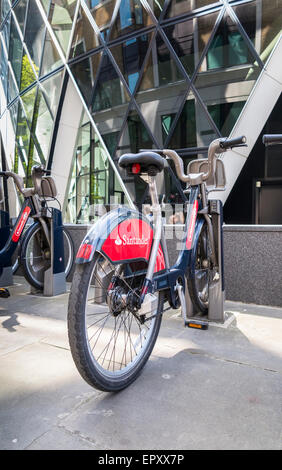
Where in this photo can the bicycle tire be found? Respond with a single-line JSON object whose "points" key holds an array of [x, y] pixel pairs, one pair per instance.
{"points": [[199, 271], [83, 352], [34, 272]]}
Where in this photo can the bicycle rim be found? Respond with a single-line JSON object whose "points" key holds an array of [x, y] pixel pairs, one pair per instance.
{"points": [[117, 344]]}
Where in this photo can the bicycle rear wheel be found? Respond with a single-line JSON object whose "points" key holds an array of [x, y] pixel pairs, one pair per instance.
{"points": [[35, 256], [200, 271], [109, 343]]}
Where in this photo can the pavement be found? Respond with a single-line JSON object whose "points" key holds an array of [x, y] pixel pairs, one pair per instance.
{"points": [[214, 389]]}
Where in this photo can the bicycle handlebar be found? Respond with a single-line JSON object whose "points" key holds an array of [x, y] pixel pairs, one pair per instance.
{"points": [[236, 142], [272, 139], [216, 146], [36, 173]]}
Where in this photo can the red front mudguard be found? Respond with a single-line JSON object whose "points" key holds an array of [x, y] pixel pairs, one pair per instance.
{"points": [[123, 235]]}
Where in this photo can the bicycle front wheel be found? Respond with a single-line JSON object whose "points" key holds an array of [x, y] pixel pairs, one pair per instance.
{"points": [[35, 256], [109, 342]]}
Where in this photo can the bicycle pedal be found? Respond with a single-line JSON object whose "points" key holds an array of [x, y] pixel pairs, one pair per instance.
{"points": [[197, 324], [4, 293]]}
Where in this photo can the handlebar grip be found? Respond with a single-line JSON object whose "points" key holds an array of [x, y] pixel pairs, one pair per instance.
{"points": [[272, 139], [230, 143]]}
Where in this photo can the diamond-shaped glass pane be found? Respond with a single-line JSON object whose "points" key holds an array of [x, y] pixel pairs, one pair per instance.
{"points": [[85, 73], [161, 91], [180, 7], [20, 12], [262, 22], [51, 59], [34, 33], [84, 37], [230, 73], [130, 56], [189, 39], [109, 91], [193, 129], [102, 13], [131, 17], [61, 17]]}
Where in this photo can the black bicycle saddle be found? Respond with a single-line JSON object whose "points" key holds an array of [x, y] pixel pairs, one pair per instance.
{"points": [[144, 159]]}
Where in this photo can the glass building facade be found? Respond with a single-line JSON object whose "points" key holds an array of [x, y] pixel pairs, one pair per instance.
{"points": [[149, 73]]}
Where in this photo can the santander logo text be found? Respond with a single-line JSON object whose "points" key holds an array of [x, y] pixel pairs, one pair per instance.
{"points": [[125, 240]]}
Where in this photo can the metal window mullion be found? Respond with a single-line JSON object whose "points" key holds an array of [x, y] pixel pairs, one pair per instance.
{"points": [[248, 42], [73, 29]]}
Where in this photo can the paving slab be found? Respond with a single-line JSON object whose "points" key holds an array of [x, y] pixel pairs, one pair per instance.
{"points": [[214, 389]]}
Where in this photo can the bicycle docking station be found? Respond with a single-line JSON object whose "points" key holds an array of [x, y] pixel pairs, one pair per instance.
{"points": [[194, 318], [6, 274], [54, 277]]}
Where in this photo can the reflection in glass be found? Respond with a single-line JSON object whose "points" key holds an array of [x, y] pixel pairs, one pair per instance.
{"points": [[180, 7], [129, 57], [6, 31], [189, 39], [262, 21], [3, 70], [193, 128], [22, 142], [131, 17], [230, 74], [109, 91], [15, 51], [84, 36], [157, 6], [20, 12], [60, 17], [161, 90], [42, 125], [13, 110], [52, 88], [12, 90], [28, 100], [161, 68], [88, 188], [84, 73], [51, 59], [5, 6], [134, 137], [225, 115], [34, 32], [27, 75], [102, 12]]}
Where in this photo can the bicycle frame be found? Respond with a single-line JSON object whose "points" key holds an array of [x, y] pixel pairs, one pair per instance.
{"points": [[125, 235], [28, 209]]}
